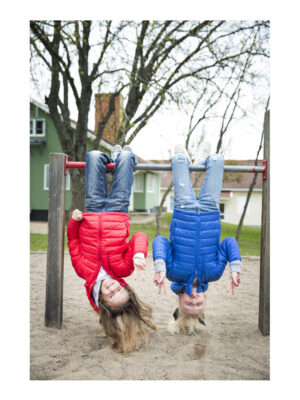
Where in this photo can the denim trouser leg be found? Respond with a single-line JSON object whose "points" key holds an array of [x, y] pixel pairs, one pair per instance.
{"points": [[209, 196], [95, 181], [184, 196], [119, 198]]}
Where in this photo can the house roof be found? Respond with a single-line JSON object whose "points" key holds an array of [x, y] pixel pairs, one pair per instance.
{"points": [[231, 180], [142, 161]]}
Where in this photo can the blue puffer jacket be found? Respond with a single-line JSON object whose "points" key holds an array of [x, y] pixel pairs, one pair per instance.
{"points": [[195, 250]]}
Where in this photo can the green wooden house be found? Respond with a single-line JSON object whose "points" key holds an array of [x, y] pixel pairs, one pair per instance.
{"points": [[44, 140], [146, 189]]}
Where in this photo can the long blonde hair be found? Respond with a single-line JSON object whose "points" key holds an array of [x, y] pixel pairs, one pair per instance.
{"points": [[126, 325], [186, 324]]}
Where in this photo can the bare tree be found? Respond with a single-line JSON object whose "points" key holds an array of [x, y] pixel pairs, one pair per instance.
{"points": [[55, 43], [148, 62], [213, 50]]}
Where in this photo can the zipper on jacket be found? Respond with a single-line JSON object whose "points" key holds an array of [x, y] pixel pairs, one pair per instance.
{"points": [[99, 238], [197, 247], [200, 269]]}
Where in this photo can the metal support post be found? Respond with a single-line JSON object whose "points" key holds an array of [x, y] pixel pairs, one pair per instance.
{"points": [[55, 256], [264, 285]]}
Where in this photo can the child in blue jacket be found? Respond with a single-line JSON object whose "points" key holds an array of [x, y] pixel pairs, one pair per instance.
{"points": [[195, 256]]}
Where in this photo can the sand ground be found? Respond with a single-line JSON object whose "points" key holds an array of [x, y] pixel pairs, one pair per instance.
{"points": [[230, 347]]}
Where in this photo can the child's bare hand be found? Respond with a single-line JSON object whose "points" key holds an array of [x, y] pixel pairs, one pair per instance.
{"points": [[234, 281], [160, 281], [139, 267], [77, 215]]}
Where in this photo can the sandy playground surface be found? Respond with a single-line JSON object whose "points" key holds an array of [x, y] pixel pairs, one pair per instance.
{"points": [[230, 347]]}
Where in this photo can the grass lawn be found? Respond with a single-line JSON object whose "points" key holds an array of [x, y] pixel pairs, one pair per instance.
{"points": [[249, 240]]}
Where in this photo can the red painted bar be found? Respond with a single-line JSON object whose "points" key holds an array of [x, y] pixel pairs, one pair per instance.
{"points": [[75, 164], [81, 164]]}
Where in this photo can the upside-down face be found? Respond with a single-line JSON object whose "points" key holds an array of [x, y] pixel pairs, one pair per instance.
{"points": [[113, 293], [192, 305]]}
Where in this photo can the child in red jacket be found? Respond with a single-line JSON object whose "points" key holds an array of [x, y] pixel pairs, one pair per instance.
{"points": [[102, 257]]}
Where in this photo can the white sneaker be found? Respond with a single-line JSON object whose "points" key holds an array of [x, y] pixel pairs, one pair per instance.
{"points": [[115, 151], [206, 151], [128, 148], [180, 149]]}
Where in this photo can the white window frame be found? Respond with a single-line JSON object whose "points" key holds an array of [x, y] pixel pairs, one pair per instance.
{"points": [[137, 189], [33, 125], [34, 134], [46, 178], [150, 188]]}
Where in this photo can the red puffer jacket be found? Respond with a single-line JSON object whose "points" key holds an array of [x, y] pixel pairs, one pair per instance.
{"points": [[100, 240]]}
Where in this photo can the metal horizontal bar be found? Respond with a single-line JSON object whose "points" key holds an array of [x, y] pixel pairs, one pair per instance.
{"points": [[168, 167], [228, 168]]}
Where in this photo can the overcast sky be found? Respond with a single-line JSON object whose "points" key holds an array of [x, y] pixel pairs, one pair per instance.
{"points": [[163, 132]]}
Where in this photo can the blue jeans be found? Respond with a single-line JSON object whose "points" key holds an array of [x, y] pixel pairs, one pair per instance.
{"points": [[209, 196], [96, 196]]}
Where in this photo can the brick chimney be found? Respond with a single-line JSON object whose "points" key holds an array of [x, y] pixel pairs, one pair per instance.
{"points": [[111, 129]]}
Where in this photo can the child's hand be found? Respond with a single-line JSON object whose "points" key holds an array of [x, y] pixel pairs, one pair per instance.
{"points": [[139, 266], [159, 280], [234, 281], [77, 215]]}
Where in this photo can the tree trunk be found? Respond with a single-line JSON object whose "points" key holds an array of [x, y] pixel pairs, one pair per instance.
{"points": [[158, 214], [158, 221], [239, 228]]}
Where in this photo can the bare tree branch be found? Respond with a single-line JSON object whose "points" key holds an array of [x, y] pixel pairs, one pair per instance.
{"points": [[149, 62]]}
